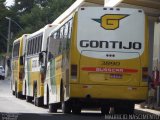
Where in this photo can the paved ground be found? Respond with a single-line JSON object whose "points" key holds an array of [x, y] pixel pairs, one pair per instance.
{"points": [[12, 108]]}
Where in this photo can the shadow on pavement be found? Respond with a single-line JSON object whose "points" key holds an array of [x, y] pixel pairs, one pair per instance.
{"points": [[55, 116]]}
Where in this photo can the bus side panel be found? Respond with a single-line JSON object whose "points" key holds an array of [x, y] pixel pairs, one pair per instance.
{"points": [[54, 78], [20, 68], [145, 55], [14, 72], [29, 82], [34, 76]]}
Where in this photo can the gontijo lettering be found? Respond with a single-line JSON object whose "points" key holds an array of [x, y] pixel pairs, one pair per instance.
{"points": [[110, 44]]}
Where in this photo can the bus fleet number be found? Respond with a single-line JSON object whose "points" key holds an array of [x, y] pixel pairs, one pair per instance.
{"points": [[110, 63]]}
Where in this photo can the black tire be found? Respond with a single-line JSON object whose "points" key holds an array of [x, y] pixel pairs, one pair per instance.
{"points": [[53, 108], [130, 109], [13, 92], [16, 89], [29, 99], [105, 110], [3, 78], [47, 98], [38, 101], [66, 107], [125, 109], [19, 95], [76, 109]]}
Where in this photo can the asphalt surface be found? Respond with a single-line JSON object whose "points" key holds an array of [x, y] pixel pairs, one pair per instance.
{"points": [[12, 108]]}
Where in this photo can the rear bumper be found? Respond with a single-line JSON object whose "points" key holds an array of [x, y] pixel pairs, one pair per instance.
{"points": [[136, 94]]}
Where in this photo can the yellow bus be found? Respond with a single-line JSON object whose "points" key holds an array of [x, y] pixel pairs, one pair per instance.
{"points": [[98, 57], [34, 74], [17, 71]]}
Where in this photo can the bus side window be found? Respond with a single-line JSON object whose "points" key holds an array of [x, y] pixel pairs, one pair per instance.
{"points": [[31, 46], [33, 51], [16, 50], [18, 45], [70, 28], [55, 43], [58, 34], [28, 42], [40, 43], [27, 48], [55, 35], [66, 30], [61, 32], [36, 45]]}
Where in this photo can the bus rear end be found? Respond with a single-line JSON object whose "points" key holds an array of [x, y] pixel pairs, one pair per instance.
{"points": [[109, 57]]}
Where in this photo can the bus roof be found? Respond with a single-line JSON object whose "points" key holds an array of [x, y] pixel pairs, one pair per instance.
{"points": [[18, 39], [75, 6], [41, 30]]}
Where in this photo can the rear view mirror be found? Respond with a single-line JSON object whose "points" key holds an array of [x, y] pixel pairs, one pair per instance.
{"points": [[21, 60], [50, 56], [8, 63], [41, 57]]}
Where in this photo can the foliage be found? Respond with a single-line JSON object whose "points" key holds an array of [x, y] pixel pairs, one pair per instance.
{"points": [[31, 15]]}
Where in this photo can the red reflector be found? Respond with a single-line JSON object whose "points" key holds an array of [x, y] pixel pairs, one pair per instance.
{"points": [[42, 78], [145, 69], [73, 70], [145, 73]]}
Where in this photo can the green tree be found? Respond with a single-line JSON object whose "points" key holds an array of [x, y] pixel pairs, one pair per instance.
{"points": [[32, 15], [3, 26]]}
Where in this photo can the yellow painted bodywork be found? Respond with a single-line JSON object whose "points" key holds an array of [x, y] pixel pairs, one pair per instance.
{"points": [[101, 86], [108, 92], [17, 68], [35, 76]]}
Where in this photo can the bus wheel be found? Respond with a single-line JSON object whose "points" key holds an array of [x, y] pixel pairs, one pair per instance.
{"points": [[38, 101], [19, 95], [16, 89], [29, 99], [66, 107], [13, 92], [125, 109], [130, 108], [76, 109], [53, 108], [105, 110]]}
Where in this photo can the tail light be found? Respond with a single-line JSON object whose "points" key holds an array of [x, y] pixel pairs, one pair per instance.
{"points": [[20, 75], [145, 74], [73, 71], [42, 78]]}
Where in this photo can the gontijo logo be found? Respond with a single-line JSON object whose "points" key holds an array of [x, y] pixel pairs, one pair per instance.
{"points": [[110, 21]]}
